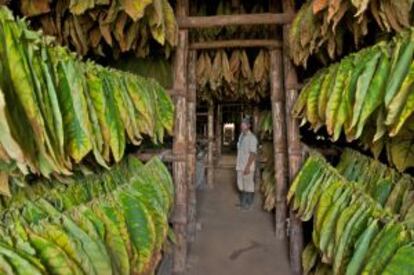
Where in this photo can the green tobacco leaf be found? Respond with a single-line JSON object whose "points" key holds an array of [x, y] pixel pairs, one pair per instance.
{"points": [[74, 110], [375, 93], [70, 245], [140, 227], [114, 242], [93, 248], [363, 84], [22, 131], [7, 141], [125, 108], [54, 117], [335, 98], [54, 258], [5, 266], [141, 100], [98, 101], [113, 120], [401, 147], [406, 112], [396, 105], [326, 89], [312, 100], [19, 263], [165, 107], [98, 143], [401, 68]]}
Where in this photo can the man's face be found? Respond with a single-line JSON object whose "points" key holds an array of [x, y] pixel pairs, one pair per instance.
{"points": [[244, 126]]}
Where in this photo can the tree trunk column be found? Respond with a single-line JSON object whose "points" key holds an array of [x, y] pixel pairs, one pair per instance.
{"points": [[210, 153], [294, 144], [180, 146], [191, 157], [279, 141]]}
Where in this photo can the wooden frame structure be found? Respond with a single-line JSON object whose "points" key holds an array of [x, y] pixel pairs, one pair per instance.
{"points": [[288, 151]]}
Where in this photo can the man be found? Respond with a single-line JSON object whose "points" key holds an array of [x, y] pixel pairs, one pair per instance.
{"points": [[246, 160]]}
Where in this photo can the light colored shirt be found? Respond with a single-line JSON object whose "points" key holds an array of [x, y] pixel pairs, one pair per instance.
{"points": [[247, 144]]}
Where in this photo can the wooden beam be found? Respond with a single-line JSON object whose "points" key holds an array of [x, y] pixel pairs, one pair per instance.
{"points": [[177, 92], [239, 43], [165, 155], [294, 144], [180, 140], [233, 20]]}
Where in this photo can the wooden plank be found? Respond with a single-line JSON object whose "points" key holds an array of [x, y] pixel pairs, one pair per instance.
{"points": [[294, 144], [237, 43], [234, 20], [179, 218]]}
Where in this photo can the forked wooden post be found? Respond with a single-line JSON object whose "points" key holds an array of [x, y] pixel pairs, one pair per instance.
{"points": [[294, 144], [210, 152], [279, 140], [180, 146], [191, 157]]}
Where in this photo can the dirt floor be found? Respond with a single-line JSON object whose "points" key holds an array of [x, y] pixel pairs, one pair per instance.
{"points": [[230, 240]]}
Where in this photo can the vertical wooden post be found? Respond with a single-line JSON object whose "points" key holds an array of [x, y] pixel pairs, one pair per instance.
{"points": [[256, 119], [191, 157], [294, 144], [180, 146], [210, 162], [279, 140], [219, 130]]}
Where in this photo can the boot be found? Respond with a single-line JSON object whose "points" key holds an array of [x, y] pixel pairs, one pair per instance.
{"points": [[249, 199], [241, 199]]}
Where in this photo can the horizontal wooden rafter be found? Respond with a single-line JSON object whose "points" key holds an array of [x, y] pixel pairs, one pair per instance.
{"points": [[239, 19], [251, 43]]}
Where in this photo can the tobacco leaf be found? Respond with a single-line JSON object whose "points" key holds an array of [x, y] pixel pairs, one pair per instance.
{"points": [[135, 9], [34, 7]]}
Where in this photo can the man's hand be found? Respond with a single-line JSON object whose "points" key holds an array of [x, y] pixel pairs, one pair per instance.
{"points": [[246, 171]]}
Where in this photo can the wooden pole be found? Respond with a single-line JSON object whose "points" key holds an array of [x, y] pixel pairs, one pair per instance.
{"points": [[233, 20], [279, 140], [294, 144], [256, 119], [219, 130], [210, 135], [237, 43], [191, 158], [180, 146]]}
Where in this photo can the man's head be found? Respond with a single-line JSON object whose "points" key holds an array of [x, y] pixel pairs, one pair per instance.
{"points": [[245, 124]]}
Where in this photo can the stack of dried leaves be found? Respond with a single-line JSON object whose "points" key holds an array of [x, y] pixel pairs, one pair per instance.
{"points": [[220, 77], [91, 25], [321, 26]]}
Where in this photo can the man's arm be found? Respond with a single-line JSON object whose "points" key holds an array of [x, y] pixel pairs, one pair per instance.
{"points": [[250, 160]]}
